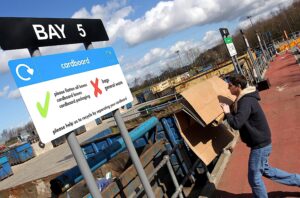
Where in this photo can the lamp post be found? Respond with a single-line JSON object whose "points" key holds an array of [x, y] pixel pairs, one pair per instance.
{"points": [[178, 53], [249, 17]]}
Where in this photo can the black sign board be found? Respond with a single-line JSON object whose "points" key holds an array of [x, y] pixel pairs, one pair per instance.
{"points": [[224, 32], [17, 33]]}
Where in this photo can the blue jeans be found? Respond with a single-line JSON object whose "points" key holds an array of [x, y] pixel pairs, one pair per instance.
{"points": [[259, 166]]}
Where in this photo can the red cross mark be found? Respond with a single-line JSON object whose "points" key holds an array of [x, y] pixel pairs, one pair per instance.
{"points": [[97, 89]]}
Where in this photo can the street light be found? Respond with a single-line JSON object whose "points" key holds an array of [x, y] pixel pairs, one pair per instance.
{"points": [[258, 38], [249, 17], [177, 52]]}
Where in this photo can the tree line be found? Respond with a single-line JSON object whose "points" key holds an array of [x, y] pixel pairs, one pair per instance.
{"points": [[8, 134]]}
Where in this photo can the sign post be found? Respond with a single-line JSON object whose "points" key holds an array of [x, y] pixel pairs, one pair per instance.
{"points": [[132, 152], [231, 49], [63, 98]]}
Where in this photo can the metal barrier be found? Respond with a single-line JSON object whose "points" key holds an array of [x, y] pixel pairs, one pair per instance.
{"points": [[73, 175], [260, 64]]}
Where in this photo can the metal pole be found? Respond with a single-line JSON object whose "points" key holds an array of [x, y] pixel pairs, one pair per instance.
{"points": [[77, 153], [260, 45], [132, 152], [179, 189], [248, 47], [234, 65], [267, 50], [173, 176], [238, 65], [251, 56], [83, 165]]}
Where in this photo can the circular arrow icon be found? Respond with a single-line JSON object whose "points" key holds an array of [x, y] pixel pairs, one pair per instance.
{"points": [[29, 70]]}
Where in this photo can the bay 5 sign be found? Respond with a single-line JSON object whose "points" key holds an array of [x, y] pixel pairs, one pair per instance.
{"points": [[17, 33], [65, 91]]}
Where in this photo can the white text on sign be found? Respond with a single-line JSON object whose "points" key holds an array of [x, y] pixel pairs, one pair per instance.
{"points": [[54, 31]]}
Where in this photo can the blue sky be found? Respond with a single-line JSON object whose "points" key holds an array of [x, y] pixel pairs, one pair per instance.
{"points": [[145, 34]]}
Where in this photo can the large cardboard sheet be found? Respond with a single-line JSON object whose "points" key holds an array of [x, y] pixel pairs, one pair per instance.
{"points": [[206, 142], [206, 96]]}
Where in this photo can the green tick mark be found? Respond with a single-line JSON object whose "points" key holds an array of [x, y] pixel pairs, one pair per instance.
{"points": [[44, 110]]}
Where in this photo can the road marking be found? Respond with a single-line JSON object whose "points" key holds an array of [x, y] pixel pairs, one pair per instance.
{"points": [[281, 88]]}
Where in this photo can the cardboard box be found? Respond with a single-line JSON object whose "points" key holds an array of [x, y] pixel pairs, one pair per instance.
{"points": [[201, 109], [206, 142], [204, 99]]}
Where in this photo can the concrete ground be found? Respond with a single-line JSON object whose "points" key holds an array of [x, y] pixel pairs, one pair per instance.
{"points": [[56, 160], [281, 104]]}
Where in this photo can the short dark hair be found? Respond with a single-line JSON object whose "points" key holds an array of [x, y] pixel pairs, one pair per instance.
{"points": [[238, 80]]}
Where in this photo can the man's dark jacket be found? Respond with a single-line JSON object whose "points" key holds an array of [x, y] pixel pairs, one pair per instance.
{"points": [[250, 120]]}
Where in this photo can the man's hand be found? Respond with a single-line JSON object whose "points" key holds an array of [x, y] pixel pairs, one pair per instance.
{"points": [[225, 108]]}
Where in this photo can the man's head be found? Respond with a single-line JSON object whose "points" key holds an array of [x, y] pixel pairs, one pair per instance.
{"points": [[236, 83]]}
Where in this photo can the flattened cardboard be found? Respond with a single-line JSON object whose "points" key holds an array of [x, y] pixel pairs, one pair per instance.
{"points": [[206, 142], [206, 96]]}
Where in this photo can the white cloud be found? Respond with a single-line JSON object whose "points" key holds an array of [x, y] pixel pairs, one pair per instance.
{"points": [[156, 59], [4, 91], [210, 39], [172, 16], [113, 14], [14, 94], [263, 12], [183, 46], [153, 56], [167, 17], [5, 56]]}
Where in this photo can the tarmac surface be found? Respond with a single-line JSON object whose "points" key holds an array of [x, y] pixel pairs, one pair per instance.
{"points": [[281, 104]]}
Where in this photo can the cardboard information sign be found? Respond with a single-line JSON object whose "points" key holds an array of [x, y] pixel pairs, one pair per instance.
{"points": [[65, 91], [230, 46]]}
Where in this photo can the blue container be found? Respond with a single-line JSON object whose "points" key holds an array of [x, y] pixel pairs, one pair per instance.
{"points": [[19, 154], [12, 156], [91, 149], [24, 152], [128, 105], [5, 169], [98, 143]]}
